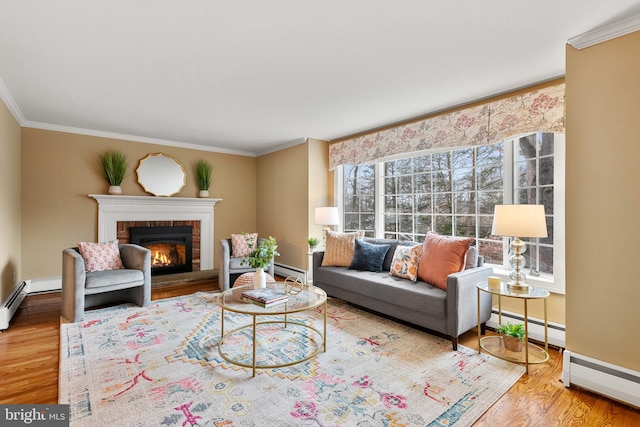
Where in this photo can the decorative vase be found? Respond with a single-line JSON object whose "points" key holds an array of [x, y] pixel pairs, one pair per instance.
{"points": [[512, 343], [203, 193], [259, 279], [115, 189]]}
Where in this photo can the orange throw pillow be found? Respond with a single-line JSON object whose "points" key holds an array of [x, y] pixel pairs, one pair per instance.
{"points": [[442, 256]]}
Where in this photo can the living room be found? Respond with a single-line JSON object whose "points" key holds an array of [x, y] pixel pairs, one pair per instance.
{"points": [[47, 175]]}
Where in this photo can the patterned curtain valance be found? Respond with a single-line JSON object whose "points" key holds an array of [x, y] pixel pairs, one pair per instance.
{"points": [[541, 110]]}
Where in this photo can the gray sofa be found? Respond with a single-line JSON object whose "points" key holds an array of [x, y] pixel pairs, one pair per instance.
{"points": [[451, 312]]}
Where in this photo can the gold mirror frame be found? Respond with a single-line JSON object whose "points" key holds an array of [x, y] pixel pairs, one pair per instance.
{"points": [[161, 175]]}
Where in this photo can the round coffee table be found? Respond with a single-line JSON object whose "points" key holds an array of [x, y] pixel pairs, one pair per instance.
{"points": [[300, 298]]}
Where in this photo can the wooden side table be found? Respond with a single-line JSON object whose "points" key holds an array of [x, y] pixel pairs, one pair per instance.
{"points": [[493, 344]]}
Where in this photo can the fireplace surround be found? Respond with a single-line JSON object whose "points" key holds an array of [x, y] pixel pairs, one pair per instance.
{"points": [[112, 209]]}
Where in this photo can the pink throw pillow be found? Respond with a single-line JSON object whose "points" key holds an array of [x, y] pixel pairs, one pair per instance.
{"points": [[243, 244], [100, 256]]}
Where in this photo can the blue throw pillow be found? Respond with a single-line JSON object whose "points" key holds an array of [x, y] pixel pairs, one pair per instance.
{"points": [[367, 256]]}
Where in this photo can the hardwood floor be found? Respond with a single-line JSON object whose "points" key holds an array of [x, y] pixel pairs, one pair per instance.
{"points": [[29, 357]]}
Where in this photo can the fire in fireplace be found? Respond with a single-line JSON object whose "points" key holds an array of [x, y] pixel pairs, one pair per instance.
{"points": [[170, 247]]}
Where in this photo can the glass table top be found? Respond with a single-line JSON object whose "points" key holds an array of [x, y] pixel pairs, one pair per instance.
{"points": [[299, 299], [504, 290]]}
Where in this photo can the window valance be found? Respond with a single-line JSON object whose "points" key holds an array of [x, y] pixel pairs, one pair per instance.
{"points": [[541, 110]]}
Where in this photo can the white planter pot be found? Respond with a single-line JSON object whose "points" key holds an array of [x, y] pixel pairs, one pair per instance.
{"points": [[203, 193], [259, 279], [115, 189]]}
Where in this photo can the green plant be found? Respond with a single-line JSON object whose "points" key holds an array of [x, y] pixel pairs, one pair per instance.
{"points": [[262, 255], [114, 164], [510, 330], [313, 241], [203, 174]]}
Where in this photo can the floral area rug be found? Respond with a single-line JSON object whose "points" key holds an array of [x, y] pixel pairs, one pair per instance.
{"points": [[160, 366]]}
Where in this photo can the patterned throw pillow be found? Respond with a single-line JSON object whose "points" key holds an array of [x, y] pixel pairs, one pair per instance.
{"points": [[100, 256], [405, 262], [339, 248], [442, 256], [243, 244]]}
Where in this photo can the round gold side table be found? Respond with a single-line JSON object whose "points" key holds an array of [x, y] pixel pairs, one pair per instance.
{"points": [[493, 344]]}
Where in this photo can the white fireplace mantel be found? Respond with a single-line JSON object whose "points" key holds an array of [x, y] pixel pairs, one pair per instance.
{"points": [[112, 209]]}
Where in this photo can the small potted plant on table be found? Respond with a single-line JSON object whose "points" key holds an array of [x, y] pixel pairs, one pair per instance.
{"points": [[512, 336], [313, 243], [260, 258]]}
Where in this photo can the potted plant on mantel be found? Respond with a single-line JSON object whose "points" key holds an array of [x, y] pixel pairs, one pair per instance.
{"points": [[114, 165], [203, 175], [512, 336], [260, 258]]}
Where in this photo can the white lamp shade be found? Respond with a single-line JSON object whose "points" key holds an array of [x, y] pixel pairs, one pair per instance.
{"points": [[519, 221], [327, 216]]}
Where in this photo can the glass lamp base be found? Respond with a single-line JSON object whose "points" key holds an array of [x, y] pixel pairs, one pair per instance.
{"points": [[518, 287]]}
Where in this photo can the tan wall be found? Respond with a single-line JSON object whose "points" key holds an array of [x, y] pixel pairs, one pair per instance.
{"points": [[555, 307], [282, 202], [10, 186], [291, 183], [60, 169], [320, 183], [603, 200]]}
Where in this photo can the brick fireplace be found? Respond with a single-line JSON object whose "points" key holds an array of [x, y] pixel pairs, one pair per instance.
{"points": [[116, 214]]}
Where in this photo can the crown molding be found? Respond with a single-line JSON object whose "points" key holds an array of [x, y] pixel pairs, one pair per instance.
{"points": [[11, 104], [133, 138], [282, 146], [607, 32]]}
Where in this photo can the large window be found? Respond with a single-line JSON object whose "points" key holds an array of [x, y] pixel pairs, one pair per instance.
{"points": [[454, 193], [359, 198]]}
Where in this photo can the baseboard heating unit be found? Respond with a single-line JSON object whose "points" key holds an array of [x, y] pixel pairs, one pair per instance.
{"points": [[11, 304], [286, 271], [615, 382]]}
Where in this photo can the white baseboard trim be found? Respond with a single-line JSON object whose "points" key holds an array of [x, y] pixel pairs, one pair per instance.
{"points": [[616, 382], [286, 271], [556, 331], [46, 284]]}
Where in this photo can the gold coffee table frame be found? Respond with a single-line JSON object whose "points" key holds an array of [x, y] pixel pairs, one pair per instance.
{"points": [[307, 298], [493, 344]]}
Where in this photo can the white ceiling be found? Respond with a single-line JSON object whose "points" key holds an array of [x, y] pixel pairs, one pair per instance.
{"points": [[251, 76]]}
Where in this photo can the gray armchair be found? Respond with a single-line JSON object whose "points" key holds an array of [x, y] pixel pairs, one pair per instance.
{"points": [[231, 268], [81, 289]]}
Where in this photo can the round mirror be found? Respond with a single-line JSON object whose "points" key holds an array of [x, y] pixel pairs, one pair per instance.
{"points": [[161, 175]]}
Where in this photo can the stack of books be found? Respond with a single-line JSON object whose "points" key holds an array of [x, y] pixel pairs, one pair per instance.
{"points": [[265, 297]]}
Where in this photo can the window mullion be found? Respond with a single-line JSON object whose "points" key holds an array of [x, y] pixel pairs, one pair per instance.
{"points": [[379, 198]]}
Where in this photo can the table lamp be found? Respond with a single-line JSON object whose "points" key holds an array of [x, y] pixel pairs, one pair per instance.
{"points": [[519, 221], [327, 216]]}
